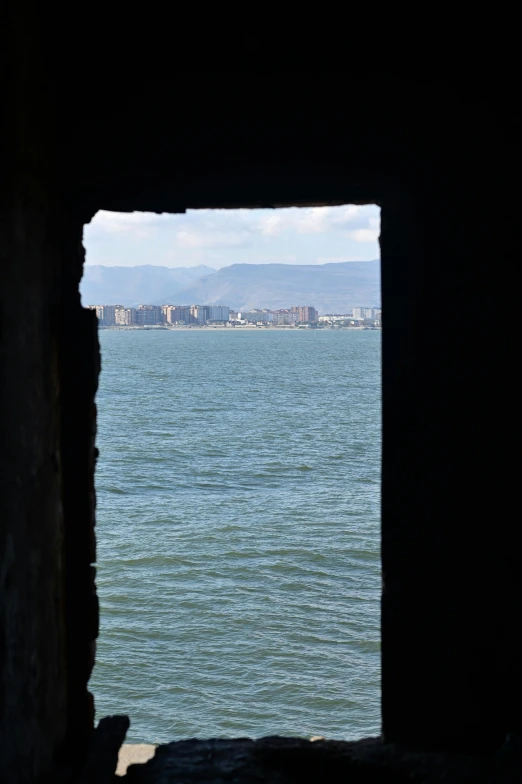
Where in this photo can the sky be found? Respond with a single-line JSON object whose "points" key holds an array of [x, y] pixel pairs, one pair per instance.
{"points": [[218, 238]]}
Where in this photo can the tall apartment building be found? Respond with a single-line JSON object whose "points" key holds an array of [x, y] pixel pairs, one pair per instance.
{"points": [[284, 316], [175, 314], [254, 316], [197, 314], [125, 317], [312, 314], [149, 315], [200, 313], [364, 313], [107, 314], [305, 313], [185, 314], [218, 312]]}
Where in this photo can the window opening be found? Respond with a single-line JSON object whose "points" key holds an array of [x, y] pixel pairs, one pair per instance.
{"points": [[238, 483]]}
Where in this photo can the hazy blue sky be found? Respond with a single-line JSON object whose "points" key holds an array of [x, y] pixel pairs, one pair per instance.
{"points": [[217, 238]]}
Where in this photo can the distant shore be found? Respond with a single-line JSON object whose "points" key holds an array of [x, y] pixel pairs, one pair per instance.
{"points": [[241, 328]]}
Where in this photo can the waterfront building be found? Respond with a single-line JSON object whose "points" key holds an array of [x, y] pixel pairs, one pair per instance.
{"points": [[335, 318], [284, 316], [218, 313], [255, 316], [125, 317], [106, 314], [364, 313], [149, 315], [167, 313], [179, 314], [305, 313]]}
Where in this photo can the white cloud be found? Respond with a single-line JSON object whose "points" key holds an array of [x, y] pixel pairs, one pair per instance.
{"points": [[309, 220], [271, 225], [370, 234], [136, 224], [364, 235], [233, 228], [301, 235], [212, 239]]}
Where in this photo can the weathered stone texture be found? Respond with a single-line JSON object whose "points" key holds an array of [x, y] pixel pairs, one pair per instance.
{"points": [[296, 761], [442, 158]]}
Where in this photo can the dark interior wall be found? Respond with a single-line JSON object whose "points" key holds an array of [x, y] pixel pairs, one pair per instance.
{"points": [[32, 619], [49, 368], [441, 158], [433, 155], [48, 371], [32, 622], [451, 607], [79, 370]]}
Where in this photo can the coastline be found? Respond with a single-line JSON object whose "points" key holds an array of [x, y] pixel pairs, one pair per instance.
{"points": [[242, 328]]}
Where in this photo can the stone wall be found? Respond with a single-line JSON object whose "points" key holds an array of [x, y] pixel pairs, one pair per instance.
{"points": [[32, 621], [442, 159]]}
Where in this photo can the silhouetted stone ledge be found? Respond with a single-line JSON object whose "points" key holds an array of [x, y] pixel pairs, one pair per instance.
{"points": [[102, 759], [277, 760]]}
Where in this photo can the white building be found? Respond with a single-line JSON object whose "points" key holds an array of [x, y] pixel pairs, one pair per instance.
{"points": [[364, 313], [107, 314], [125, 317], [335, 318]]}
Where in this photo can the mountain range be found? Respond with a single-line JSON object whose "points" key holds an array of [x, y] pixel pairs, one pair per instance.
{"points": [[131, 286], [335, 287]]}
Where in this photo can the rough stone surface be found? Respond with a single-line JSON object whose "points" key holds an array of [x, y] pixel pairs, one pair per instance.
{"points": [[102, 757], [79, 369], [442, 157], [33, 688], [294, 761]]}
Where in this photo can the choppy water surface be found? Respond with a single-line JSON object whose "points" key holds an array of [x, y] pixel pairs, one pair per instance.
{"points": [[238, 533]]}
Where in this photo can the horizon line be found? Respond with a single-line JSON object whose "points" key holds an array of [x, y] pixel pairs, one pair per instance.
{"points": [[235, 264]]}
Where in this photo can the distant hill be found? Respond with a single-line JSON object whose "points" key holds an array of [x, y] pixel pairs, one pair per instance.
{"points": [[331, 288], [132, 286]]}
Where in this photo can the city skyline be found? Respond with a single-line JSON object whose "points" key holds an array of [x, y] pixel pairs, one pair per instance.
{"points": [[201, 315]]}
